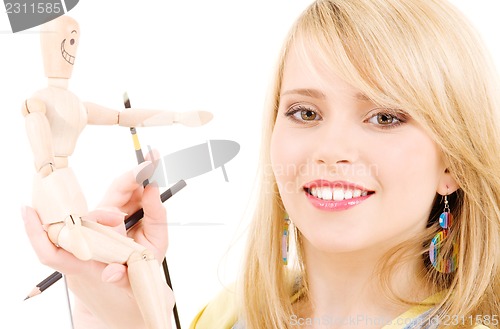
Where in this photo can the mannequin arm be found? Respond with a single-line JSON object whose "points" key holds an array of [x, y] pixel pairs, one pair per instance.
{"points": [[133, 117], [100, 115], [39, 135]]}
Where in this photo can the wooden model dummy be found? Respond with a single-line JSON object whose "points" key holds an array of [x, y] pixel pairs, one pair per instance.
{"points": [[54, 119]]}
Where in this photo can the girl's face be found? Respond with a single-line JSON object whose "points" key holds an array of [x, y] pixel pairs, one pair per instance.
{"points": [[351, 175]]}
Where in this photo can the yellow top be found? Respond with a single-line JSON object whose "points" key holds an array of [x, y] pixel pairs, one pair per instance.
{"points": [[221, 313]]}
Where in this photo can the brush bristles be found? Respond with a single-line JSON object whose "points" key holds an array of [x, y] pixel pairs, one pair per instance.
{"points": [[126, 100]]}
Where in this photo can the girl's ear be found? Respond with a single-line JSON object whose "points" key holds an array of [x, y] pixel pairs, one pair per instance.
{"points": [[447, 183]]}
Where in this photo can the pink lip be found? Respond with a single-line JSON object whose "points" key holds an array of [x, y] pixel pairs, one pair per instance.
{"points": [[332, 205]]}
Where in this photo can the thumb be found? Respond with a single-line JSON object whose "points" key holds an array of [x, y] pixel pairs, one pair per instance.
{"points": [[155, 217], [48, 254]]}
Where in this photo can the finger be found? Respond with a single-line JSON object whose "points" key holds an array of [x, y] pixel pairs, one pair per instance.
{"points": [[144, 171], [108, 216], [116, 274], [155, 214], [113, 273], [123, 188], [154, 223], [48, 254]]}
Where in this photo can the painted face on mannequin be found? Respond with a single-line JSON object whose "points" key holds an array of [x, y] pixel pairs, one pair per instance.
{"points": [[351, 175]]}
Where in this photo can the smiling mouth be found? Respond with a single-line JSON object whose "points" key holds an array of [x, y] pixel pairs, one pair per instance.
{"points": [[336, 193], [69, 58]]}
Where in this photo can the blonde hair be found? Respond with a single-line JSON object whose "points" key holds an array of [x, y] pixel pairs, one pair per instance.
{"points": [[425, 58]]}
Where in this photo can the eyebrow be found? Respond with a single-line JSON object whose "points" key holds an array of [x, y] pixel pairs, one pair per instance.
{"points": [[74, 31], [318, 94], [362, 97], [304, 92]]}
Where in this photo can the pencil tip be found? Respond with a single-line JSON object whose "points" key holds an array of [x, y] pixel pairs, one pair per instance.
{"points": [[27, 297]]}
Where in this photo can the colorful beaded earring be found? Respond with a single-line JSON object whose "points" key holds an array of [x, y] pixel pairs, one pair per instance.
{"points": [[449, 264], [285, 240]]}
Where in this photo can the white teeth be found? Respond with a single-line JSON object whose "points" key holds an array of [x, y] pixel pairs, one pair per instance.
{"points": [[327, 193], [336, 194], [348, 194]]}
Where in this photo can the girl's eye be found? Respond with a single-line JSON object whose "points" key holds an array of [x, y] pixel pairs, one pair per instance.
{"points": [[302, 114], [387, 119]]}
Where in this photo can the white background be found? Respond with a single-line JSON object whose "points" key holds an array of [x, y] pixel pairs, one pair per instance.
{"points": [[175, 55]]}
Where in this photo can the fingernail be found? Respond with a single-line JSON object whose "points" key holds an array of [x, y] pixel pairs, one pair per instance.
{"points": [[143, 171], [115, 277]]}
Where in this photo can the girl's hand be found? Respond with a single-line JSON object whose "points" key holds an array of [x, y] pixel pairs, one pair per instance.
{"points": [[107, 284]]}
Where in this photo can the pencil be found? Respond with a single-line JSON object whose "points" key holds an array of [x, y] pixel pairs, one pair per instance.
{"points": [[129, 223], [39, 288]]}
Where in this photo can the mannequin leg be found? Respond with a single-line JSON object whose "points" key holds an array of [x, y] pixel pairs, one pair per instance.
{"points": [[154, 298]]}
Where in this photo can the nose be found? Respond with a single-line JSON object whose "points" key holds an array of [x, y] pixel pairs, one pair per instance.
{"points": [[338, 144]]}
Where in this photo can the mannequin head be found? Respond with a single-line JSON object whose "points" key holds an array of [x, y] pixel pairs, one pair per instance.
{"points": [[59, 41]]}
